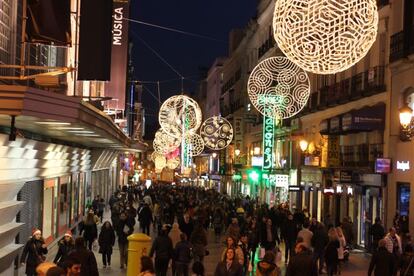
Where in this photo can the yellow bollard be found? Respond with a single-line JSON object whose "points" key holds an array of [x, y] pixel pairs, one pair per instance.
{"points": [[138, 245]]}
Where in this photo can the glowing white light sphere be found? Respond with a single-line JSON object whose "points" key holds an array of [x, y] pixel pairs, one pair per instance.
{"points": [[173, 163], [217, 133], [195, 144], [164, 143], [155, 154], [160, 162], [278, 88], [325, 36], [180, 114]]}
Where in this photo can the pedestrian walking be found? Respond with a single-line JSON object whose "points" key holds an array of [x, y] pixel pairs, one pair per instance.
{"points": [[302, 263], [382, 262], [175, 234], [147, 267], [199, 242], [73, 267], [34, 252], [163, 250], [123, 230], [289, 234], [377, 233], [331, 252], [341, 249], [66, 244], [197, 269], [267, 266], [89, 228], [319, 241], [182, 256], [306, 235], [106, 242], [229, 266], [145, 218], [89, 266]]}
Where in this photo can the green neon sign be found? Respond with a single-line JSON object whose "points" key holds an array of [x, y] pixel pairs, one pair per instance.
{"points": [[268, 143]]}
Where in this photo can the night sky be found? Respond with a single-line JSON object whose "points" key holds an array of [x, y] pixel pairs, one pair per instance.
{"points": [[187, 54]]}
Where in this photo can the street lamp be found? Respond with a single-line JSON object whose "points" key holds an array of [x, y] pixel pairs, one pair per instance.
{"points": [[303, 144], [214, 155], [256, 150], [237, 152], [406, 114]]}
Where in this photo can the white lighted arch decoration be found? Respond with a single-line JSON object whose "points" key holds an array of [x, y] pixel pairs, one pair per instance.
{"points": [[164, 143], [173, 113], [278, 88], [325, 36], [195, 144], [217, 133], [173, 163]]}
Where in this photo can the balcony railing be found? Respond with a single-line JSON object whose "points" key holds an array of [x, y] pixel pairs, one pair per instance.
{"points": [[397, 47]]}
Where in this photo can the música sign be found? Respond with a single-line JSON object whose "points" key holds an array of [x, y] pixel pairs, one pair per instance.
{"points": [[268, 143]]}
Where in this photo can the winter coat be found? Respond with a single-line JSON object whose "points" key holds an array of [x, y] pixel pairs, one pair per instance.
{"points": [[235, 269], [106, 240], [175, 234], [320, 239], [162, 247], [302, 264], [63, 251], [289, 231], [331, 253], [377, 232], [89, 266], [199, 241], [233, 231], [145, 215], [33, 254], [266, 269], [90, 231], [182, 252], [187, 228], [383, 262], [123, 230]]}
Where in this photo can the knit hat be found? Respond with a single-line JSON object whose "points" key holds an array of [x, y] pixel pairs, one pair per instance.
{"points": [[68, 233], [36, 231]]}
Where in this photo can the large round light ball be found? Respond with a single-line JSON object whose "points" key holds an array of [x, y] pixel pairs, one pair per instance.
{"points": [[325, 36], [173, 163], [278, 88], [194, 144], [180, 114], [164, 143], [160, 162], [217, 133]]}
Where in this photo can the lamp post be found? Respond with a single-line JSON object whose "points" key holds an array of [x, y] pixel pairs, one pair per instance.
{"points": [[405, 116]]}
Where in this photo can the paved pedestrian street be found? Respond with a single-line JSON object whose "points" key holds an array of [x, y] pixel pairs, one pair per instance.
{"points": [[357, 265]]}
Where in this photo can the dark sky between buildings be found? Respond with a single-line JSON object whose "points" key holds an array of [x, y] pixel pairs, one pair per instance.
{"points": [[187, 54]]}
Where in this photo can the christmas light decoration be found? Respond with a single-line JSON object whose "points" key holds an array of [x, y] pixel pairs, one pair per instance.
{"points": [[177, 112], [217, 133], [325, 37], [164, 143], [172, 164], [155, 154], [160, 162], [194, 143], [278, 88]]}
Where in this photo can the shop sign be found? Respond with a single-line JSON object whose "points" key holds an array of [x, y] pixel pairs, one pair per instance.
{"points": [[403, 165], [345, 176], [238, 134], [333, 151], [294, 188], [383, 165], [349, 191], [281, 180], [268, 143], [329, 191], [257, 161], [339, 189]]}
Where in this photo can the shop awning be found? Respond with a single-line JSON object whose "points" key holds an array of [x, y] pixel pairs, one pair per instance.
{"points": [[60, 117]]}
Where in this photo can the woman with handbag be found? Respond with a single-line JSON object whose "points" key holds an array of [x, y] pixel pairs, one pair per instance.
{"points": [[106, 241], [34, 252], [65, 246]]}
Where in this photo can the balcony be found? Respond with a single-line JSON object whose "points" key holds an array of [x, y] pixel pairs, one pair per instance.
{"points": [[402, 44], [382, 3]]}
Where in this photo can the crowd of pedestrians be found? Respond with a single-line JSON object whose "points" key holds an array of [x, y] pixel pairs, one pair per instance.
{"points": [[252, 236]]}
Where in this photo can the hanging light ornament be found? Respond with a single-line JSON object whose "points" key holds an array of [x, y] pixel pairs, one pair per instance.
{"points": [[278, 88], [178, 114], [325, 36], [172, 164], [217, 133], [160, 162], [164, 143], [155, 154], [195, 144]]}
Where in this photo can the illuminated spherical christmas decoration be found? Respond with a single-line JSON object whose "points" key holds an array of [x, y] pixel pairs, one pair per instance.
{"points": [[155, 154], [173, 163], [278, 88], [160, 162], [195, 144], [325, 36], [180, 114], [217, 133], [164, 143]]}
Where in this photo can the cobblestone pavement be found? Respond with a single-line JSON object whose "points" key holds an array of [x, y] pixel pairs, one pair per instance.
{"points": [[357, 264]]}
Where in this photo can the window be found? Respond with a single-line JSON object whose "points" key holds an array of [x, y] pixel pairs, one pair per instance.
{"points": [[403, 198]]}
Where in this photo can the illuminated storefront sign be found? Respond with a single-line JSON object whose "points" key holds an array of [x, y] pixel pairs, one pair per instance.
{"points": [[403, 165], [268, 143]]}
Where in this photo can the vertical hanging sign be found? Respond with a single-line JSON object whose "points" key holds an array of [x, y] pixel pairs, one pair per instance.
{"points": [[268, 143]]}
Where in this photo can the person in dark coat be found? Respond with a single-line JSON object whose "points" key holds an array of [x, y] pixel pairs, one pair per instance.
{"points": [[289, 234], [106, 241], [382, 262], [163, 249], [34, 252], [86, 257], [319, 241], [123, 230], [66, 245], [145, 218], [90, 229], [267, 266], [302, 263], [229, 266], [377, 233], [199, 241], [182, 256], [331, 252], [186, 225]]}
